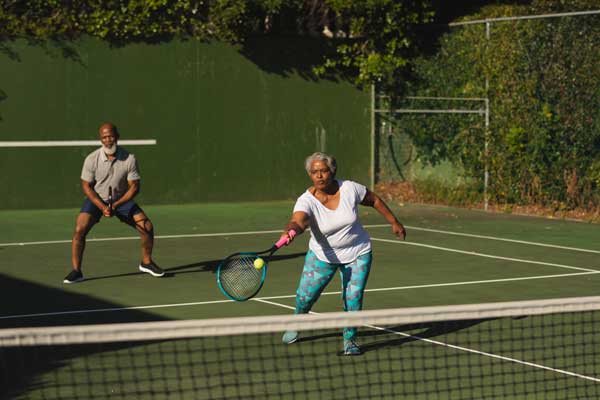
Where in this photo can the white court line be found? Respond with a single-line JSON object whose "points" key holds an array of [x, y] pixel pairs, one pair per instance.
{"points": [[200, 303], [460, 348], [72, 143], [192, 235], [416, 228], [113, 309], [262, 300], [473, 253], [432, 285]]}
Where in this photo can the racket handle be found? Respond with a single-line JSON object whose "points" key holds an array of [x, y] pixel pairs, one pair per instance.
{"points": [[284, 241]]}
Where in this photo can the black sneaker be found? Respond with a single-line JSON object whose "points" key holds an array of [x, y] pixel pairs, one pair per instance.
{"points": [[74, 277], [152, 269]]}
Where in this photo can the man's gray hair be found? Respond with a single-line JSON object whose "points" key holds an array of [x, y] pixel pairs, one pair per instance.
{"points": [[318, 156]]}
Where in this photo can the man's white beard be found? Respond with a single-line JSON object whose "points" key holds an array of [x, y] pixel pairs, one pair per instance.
{"points": [[109, 151]]}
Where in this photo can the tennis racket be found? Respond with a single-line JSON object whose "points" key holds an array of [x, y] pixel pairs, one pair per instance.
{"points": [[110, 199], [238, 277]]}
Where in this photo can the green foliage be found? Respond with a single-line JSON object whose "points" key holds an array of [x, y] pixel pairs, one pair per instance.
{"points": [[373, 38], [382, 37], [544, 75], [434, 191], [124, 21]]}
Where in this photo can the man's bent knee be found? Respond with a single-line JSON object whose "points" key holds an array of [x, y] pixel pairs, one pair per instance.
{"points": [[81, 232], [84, 223], [144, 226]]}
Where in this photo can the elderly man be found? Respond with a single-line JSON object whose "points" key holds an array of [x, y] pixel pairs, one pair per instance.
{"points": [[110, 180]]}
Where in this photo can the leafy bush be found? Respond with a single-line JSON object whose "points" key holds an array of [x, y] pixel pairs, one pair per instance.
{"points": [[544, 134], [434, 191]]}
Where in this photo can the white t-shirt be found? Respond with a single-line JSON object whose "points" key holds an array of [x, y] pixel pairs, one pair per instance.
{"points": [[336, 236]]}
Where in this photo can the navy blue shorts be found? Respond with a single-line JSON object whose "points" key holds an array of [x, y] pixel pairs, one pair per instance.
{"points": [[124, 212]]}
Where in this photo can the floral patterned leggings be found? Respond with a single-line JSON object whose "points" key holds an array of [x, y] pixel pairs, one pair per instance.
{"points": [[317, 274]]}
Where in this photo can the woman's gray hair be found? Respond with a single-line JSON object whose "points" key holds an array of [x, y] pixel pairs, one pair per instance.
{"points": [[318, 156]]}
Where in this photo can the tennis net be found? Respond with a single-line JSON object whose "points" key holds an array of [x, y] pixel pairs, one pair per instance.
{"points": [[514, 350]]}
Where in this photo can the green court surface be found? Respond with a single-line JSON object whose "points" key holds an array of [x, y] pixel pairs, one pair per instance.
{"points": [[451, 256]]}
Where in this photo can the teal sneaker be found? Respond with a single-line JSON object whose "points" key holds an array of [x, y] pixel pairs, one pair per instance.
{"points": [[351, 348], [290, 337]]}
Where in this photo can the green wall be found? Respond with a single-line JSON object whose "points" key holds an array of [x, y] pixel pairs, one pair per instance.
{"points": [[227, 130]]}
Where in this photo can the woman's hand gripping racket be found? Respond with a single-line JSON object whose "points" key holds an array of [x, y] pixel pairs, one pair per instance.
{"points": [[241, 275]]}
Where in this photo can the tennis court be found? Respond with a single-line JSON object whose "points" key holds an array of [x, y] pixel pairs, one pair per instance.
{"points": [[451, 257]]}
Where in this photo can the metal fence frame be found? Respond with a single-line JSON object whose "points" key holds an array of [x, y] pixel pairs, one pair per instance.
{"points": [[485, 111]]}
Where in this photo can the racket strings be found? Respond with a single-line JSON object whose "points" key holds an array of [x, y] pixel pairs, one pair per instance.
{"points": [[240, 278]]}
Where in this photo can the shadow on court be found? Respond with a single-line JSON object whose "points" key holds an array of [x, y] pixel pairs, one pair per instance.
{"points": [[22, 367], [212, 265], [426, 331], [27, 304], [200, 266]]}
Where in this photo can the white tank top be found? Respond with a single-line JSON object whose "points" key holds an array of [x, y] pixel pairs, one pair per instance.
{"points": [[337, 236]]}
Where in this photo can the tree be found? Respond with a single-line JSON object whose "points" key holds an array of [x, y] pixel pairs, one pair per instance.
{"points": [[544, 136], [381, 36], [373, 39]]}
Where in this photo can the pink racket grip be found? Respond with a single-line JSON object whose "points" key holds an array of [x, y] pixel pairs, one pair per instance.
{"points": [[285, 241]]}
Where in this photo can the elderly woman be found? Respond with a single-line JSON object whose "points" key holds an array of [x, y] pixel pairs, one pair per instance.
{"points": [[338, 240]]}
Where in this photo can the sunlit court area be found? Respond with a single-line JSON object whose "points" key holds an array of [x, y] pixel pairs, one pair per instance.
{"points": [[176, 189], [452, 257]]}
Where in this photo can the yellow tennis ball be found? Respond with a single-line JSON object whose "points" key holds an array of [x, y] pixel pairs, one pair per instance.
{"points": [[259, 263]]}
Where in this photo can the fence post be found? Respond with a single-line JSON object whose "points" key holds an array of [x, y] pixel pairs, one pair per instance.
{"points": [[373, 149]]}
